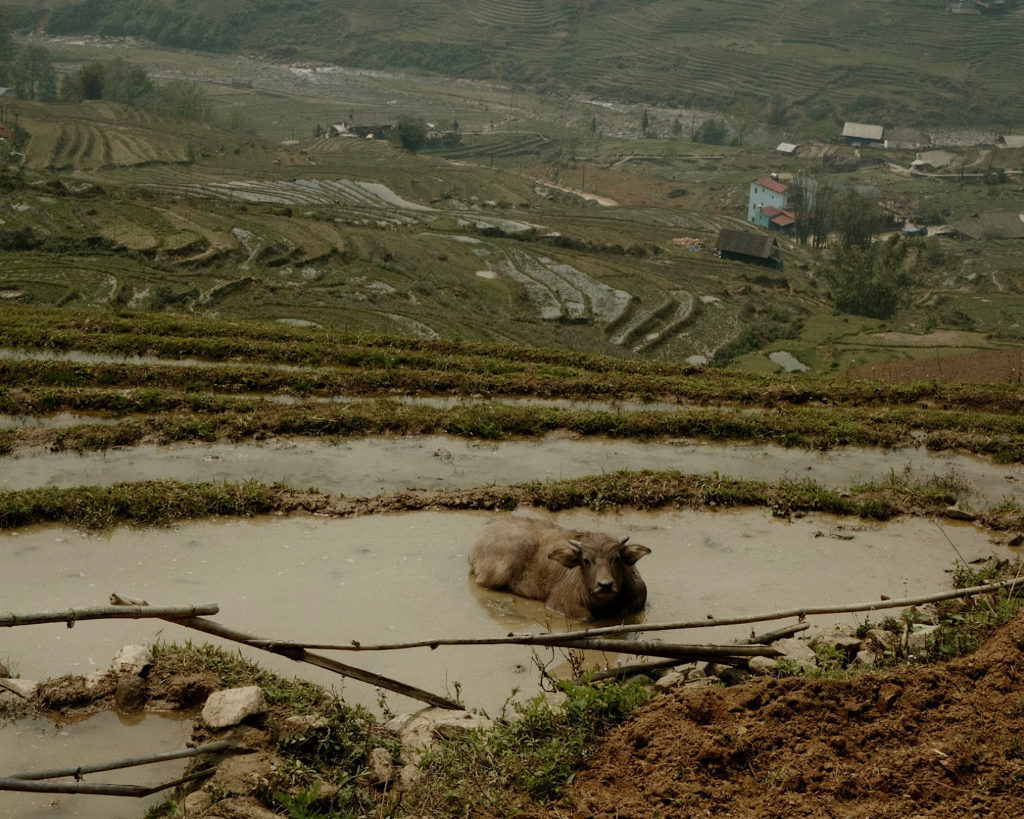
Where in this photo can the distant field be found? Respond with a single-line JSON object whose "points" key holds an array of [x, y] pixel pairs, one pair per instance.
{"points": [[909, 62]]}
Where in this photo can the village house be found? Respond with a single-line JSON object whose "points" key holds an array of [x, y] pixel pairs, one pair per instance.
{"points": [[752, 248], [858, 133], [1000, 224], [768, 204]]}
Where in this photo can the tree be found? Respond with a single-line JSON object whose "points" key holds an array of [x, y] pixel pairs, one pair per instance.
{"points": [[711, 132], [855, 220], [411, 133], [645, 123], [869, 281], [32, 74]]}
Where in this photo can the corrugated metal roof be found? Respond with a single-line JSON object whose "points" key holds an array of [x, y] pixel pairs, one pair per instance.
{"points": [[859, 130], [1013, 140], [749, 244], [1000, 224], [786, 147], [772, 184]]}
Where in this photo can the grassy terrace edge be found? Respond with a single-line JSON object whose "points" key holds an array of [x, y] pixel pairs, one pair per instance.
{"points": [[207, 419], [159, 503], [312, 361]]}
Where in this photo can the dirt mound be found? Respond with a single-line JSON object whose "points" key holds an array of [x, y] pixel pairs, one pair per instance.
{"points": [[941, 740]]}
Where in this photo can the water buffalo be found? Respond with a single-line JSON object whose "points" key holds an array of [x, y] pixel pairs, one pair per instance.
{"points": [[586, 575]]}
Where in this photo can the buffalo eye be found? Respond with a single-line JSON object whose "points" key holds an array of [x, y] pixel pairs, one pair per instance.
{"points": [[586, 561]]}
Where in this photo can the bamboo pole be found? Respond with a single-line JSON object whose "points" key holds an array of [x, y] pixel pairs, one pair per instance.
{"points": [[98, 789], [679, 652], [551, 638], [131, 762], [72, 616], [642, 668], [298, 653]]}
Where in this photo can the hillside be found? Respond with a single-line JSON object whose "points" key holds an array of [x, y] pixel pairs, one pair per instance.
{"points": [[911, 62]]}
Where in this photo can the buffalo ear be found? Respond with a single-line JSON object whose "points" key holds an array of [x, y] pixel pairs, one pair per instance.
{"points": [[632, 553], [568, 555]]}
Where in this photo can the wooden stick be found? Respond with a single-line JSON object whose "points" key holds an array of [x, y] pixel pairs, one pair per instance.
{"points": [[641, 668], [72, 616], [27, 785], [675, 651], [298, 653], [208, 748]]}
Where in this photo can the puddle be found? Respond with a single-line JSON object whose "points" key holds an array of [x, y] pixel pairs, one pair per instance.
{"points": [[368, 467], [403, 577], [37, 744]]}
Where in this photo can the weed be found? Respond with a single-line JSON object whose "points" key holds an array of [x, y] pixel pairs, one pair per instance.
{"points": [[531, 755]]}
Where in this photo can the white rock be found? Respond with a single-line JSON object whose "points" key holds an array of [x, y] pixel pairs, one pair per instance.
{"points": [[796, 651], [381, 765], [417, 732], [24, 688], [917, 639], [229, 707], [133, 659], [761, 666], [670, 680]]}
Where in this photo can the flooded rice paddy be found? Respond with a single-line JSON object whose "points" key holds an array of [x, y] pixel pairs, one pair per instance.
{"points": [[403, 577], [36, 744], [369, 467]]}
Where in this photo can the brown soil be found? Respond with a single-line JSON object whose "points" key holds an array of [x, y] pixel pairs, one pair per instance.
{"points": [[943, 740], [992, 367]]}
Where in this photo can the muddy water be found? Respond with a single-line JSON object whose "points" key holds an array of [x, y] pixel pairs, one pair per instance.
{"points": [[402, 577], [366, 467], [39, 744]]}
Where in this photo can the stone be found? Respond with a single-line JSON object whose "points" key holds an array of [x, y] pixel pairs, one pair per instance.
{"points": [[381, 766], [761, 666], [23, 688], [865, 657], [845, 644], [131, 694], [884, 639], [295, 727], [670, 680], [918, 638], [417, 732], [796, 651], [133, 659], [408, 777], [229, 707], [196, 802]]}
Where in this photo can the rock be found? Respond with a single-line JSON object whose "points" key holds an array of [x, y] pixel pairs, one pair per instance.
{"points": [[865, 657], [417, 732], [796, 651], [954, 512], [381, 766], [196, 802], [23, 688], [131, 694], [918, 638], [839, 641], [408, 777], [5, 672], [133, 659], [883, 639], [229, 707], [670, 680], [295, 727], [761, 666]]}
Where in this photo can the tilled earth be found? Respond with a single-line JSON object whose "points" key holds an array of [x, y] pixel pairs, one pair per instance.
{"points": [[938, 740]]}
